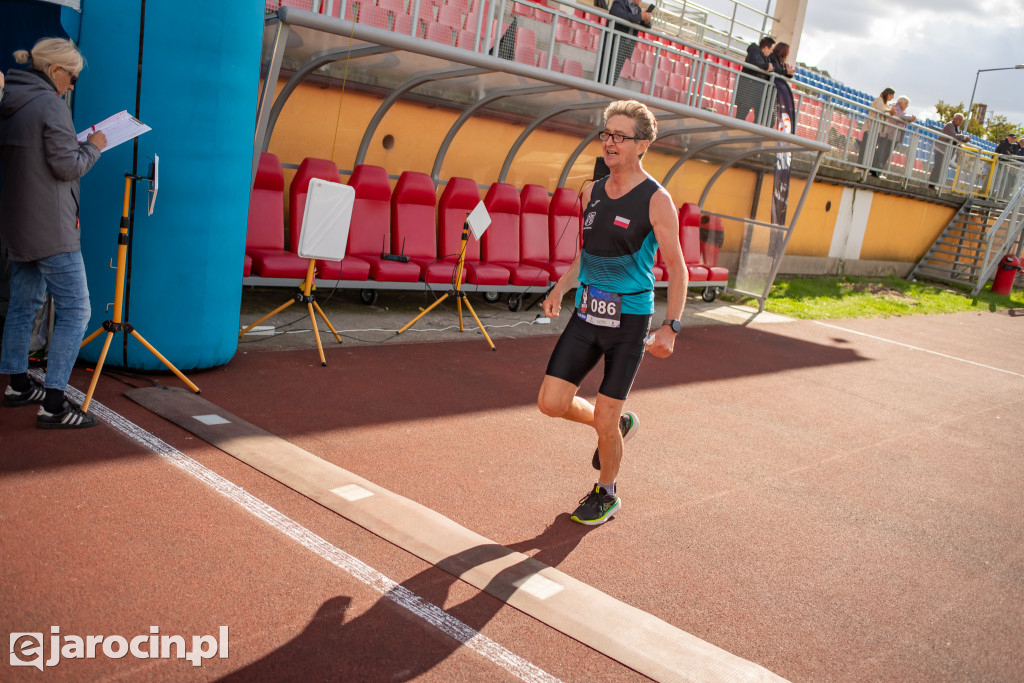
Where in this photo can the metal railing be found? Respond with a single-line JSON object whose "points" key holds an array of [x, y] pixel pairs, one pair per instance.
{"points": [[580, 40], [727, 31], [1005, 231]]}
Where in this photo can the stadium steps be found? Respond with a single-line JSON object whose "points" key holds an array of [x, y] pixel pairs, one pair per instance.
{"points": [[960, 255]]}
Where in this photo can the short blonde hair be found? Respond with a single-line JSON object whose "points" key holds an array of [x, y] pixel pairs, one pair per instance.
{"points": [[646, 127], [49, 52]]}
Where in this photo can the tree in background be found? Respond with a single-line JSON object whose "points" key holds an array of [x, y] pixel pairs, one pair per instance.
{"points": [[948, 111], [999, 127]]}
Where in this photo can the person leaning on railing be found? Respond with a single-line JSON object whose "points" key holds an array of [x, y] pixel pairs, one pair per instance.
{"points": [[893, 131], [880, 110], [954, 135], [751, 87]]}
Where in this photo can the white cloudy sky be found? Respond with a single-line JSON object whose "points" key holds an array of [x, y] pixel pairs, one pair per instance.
{"points": [[928, 50]]}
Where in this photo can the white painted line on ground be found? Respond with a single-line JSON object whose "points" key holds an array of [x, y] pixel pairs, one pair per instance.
{"points": [[211, 419], [918, 348], [432, 614]]}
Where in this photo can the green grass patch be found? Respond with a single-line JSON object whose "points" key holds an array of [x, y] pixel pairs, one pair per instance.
{"points": [[817, 298]]}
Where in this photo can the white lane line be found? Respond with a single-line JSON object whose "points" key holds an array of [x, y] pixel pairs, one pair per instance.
{"points": [[918, 348], [432, 614]]}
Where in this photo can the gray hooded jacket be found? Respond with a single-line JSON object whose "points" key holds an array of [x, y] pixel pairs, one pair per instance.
{"points": [[40, 166]]}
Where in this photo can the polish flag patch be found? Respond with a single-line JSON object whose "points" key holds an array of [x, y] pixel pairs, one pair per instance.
{"points": [[621, 222]]}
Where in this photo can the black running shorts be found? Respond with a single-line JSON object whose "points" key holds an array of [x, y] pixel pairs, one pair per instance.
{"points": [[582, 345]]}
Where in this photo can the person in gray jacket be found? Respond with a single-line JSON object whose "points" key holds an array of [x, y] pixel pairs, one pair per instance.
{"points": [[41, 162]]}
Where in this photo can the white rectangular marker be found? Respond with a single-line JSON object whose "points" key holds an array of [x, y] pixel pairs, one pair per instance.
{"points": [[539, 586], [352, 492], [211, 419]]}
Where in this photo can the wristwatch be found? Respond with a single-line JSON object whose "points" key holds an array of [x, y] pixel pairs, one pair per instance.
{"points": [[676, 326]]}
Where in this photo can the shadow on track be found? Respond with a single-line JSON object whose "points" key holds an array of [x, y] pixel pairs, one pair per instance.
{"points": [[390, 643]]}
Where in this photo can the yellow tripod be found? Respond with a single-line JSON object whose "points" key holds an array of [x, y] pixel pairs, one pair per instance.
{"points": [[457, 291], [304, 297], [116, 325]]}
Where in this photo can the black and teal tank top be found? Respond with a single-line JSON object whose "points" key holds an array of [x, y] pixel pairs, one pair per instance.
{"points": [[619, 246]]}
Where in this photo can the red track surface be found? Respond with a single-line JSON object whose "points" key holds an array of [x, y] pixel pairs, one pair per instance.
{"points": [[827, 504]]}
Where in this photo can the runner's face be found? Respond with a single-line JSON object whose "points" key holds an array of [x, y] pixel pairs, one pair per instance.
{"points": [[625, 152]]}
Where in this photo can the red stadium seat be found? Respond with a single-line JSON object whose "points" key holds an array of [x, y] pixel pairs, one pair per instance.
{"points": [[564, 227], [711, 236], [375, 16], [689, 239], [264, 242], [500, 245], [563, 30], [370, 233], [266, 210], [642, 72], [451, 15], [460, 197], [573, 68], [440, 33], [535, 248], [414, 225]]}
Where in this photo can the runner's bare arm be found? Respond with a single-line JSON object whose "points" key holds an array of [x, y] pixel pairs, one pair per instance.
{"points": [[665, 219]]}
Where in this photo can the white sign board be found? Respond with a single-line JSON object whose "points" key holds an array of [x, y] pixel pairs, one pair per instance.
{"points": [[325, 222], [479, 219]]}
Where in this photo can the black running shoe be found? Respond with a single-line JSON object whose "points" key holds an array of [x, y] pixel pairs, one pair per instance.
{"points": [[71, 417], [34, 394], [629, 424], [596, 507]]}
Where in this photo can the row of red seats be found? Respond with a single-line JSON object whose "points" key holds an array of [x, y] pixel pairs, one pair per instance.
{"points": [[532, 239]]}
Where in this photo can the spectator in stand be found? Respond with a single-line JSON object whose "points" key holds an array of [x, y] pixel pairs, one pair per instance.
{"points": [[954, 136], [778, 57], [1007, 174], [900, 119], [779, 65], [631, 12], [881, 109], [1008, 146], [750, 91]]}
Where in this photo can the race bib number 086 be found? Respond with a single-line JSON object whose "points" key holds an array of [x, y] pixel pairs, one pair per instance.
{"points": [[602, 308]]}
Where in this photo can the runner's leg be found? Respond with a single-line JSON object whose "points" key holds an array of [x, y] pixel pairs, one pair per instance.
{"points": [[609, 439], [557, 398]]}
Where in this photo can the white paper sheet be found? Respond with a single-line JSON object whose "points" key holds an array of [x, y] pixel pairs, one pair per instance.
{"points": [[121, 127]]}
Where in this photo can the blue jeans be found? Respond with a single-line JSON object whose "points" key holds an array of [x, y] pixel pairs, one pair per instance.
{"points": [[64, 275]]}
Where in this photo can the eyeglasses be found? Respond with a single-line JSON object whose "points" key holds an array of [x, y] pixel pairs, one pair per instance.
{"points": [[615, 137], [73, 77]]}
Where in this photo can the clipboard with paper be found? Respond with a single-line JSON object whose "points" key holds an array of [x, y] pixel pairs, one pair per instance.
{"points": [[119, 128]]}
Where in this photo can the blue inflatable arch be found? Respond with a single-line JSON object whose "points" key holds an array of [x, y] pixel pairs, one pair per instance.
{"points": [[193, 76]]}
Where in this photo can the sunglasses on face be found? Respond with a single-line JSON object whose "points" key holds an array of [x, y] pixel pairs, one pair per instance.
{"points": [[73, 77]]}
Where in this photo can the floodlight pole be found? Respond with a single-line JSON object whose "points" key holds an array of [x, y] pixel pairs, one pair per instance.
{"points": [[970, 107]]}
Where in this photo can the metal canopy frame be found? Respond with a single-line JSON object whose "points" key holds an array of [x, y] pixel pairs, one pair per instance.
{"points": [[301, 43]]}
